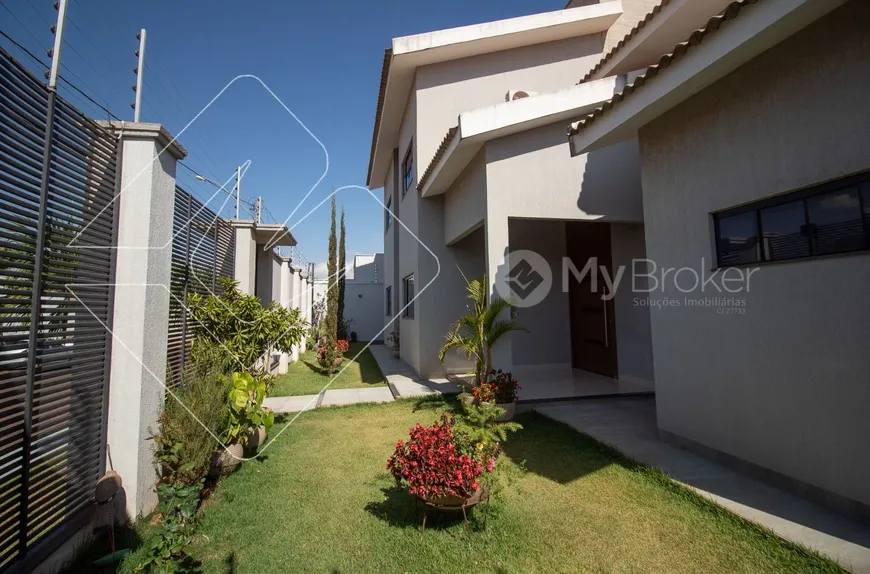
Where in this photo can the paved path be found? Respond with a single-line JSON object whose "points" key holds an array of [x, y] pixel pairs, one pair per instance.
{"points": [[402, 382], [402, 379], [629, 425]]}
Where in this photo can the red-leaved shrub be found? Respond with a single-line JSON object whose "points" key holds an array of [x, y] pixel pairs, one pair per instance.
{"points": [[430, 464]]}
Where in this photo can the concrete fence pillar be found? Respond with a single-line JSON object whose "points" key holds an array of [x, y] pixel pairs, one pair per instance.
{"points": [[285, 299], [245, 270], [141, 308]]}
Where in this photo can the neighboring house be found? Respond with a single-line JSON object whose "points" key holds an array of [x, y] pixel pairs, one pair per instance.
{"points": [[754, 136], [474, 164], [364, 297]]}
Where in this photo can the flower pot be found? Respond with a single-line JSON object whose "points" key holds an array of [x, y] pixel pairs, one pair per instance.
{"points": [[338, 361], [510, 409], [396, 354], [224, 460], [256, 437], [457, 502]]}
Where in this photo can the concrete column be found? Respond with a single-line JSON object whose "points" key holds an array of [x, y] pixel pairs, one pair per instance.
{"points": [[295, 303], [304, 310], [246, 256], [497, 248], [141, 308], [285, 300]]}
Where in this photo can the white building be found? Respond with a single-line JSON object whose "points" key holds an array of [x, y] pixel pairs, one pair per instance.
{"points": [[364, 297], [705, 135]]}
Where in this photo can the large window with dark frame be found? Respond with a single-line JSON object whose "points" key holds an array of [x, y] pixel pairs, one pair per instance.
{"points": [[826, 219], [408, 169], [408, 296]]}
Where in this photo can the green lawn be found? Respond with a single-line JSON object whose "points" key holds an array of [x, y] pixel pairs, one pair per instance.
{"points": [[305, 377], [320, 500]]}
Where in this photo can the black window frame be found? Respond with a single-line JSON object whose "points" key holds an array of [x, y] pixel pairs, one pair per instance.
{"points": [[388, 292], [408, 169], [408, 296], [861, 181], [389, 214]]}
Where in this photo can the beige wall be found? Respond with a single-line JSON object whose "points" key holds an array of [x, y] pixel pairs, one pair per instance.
{"points": [[633, 11], [787, 385], [465, 204], [447, 89], [532, 174]]}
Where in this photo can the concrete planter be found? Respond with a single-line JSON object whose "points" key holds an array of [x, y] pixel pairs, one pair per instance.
{"points": [[256, 437], [224, 460], [396, 353], [510, 409]]}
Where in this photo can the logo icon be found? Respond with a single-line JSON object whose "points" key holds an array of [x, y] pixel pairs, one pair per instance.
{"points": [[524, 278]]}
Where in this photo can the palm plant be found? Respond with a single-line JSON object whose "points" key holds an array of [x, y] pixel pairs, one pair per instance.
{"points": [[476, 333]]}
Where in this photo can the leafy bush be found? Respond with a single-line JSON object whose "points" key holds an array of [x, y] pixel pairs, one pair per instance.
{"points": [[246, 411], [327, 354], [169, 545], [239, 323], [431, 464], [192, 417], [504, 386]]}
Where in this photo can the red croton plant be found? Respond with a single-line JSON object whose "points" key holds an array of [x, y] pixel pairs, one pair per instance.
{"points": [[430, 464]]}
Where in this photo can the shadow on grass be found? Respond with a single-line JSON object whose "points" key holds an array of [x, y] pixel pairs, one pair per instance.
{"points": [[400, 509], [440, 403], [555, 451]]}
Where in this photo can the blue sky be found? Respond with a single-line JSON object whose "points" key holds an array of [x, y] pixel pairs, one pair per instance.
{"points": [[322, 59]]}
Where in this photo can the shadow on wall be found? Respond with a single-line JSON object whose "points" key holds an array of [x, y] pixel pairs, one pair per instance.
{"points": [[611, 182]]}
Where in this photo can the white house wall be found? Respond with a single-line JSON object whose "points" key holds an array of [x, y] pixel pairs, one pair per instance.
{"points": [[447, 89], [465, 204], [785, 385], [532, 174]]}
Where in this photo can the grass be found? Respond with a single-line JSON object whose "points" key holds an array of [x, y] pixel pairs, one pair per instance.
{"points": [[306, 377], [320, 500]]}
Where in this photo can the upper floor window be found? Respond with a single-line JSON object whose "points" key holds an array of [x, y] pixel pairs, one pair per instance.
{"points": [[388, 216], [408, 169], [822, 220]]}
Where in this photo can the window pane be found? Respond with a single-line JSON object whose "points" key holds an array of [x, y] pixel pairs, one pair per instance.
{"points": [[782, 228], [738, 239], [835, 220], [865, 201]]}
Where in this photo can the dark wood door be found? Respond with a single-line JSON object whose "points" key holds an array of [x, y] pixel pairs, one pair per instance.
{"points": [[593, 332]]}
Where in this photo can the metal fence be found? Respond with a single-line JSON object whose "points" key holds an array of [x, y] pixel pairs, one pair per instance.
{"points": [[203, 251], [57, 230]]}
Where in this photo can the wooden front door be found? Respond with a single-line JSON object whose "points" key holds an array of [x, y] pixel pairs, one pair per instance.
{"points": [[593, 331]]}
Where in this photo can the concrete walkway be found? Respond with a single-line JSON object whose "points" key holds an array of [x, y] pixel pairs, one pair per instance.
{"points": [[402, 383], [402, 379], [629, 424]]}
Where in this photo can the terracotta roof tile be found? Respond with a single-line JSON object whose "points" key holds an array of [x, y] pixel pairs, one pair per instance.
{"points": [[439, 153], [713, 25], [631, 34]]}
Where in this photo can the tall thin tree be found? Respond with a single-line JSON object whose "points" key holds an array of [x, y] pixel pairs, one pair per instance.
{"points": [[342, 264], [331, 323]]}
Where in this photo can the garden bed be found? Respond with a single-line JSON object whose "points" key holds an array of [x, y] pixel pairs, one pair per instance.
{"points": [[320, 500]]}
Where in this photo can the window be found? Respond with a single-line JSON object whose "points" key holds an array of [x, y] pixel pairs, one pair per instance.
{"points": [[389, 214], [408, 296], [389, 295], [408, 169], [822, 220]]}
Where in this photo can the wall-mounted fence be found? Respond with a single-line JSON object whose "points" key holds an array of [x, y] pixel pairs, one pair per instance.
{"points": [[57, 231], [203, 251]]}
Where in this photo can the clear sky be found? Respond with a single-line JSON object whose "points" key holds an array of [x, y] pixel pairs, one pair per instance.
{"points": [[321, 58]]}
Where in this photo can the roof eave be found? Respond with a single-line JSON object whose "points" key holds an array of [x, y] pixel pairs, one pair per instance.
{"points": [[709, 54]]}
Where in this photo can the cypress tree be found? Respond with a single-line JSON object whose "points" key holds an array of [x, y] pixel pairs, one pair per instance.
{"points": [[331, 323], [342, 263]]}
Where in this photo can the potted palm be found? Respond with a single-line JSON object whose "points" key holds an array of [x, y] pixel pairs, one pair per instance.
{"points": [[476, 333]]}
